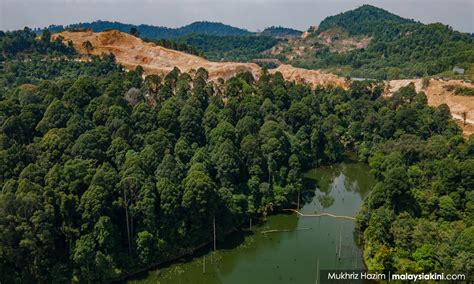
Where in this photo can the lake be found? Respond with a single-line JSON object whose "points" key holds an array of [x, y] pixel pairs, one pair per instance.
{"points": [[294, 254]]}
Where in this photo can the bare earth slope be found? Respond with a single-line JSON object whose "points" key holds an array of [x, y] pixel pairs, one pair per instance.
{"points": [[131, 52], [312, 77]]}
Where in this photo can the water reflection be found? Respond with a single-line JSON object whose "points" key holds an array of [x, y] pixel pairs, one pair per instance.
{"points": [[326, 200]]}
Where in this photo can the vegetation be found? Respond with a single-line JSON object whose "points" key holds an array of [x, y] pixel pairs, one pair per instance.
{"points": [[280, 32], [233, 48], [173, 44], [365, 20], [16, 44], [134, 31], [419, 216], [464, 91], [154, 32], [25, 60], [104, 172]]}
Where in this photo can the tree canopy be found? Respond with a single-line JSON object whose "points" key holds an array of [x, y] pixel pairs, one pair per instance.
{"points": [[104, 171]]}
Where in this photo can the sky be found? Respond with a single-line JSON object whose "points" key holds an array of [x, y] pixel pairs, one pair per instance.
{"points": [[248, 14]]}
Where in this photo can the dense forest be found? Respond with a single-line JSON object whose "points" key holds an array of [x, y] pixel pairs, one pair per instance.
{"points": [[230, 48], [280, 32], [104, 172], [365, 20], [154, 32], [173, 44]]}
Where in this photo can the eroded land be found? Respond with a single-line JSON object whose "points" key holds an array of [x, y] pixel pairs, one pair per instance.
{"points": [[131, 51], [335, 39]]}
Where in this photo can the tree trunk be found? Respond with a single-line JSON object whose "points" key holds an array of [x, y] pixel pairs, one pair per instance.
{"points": [[125, 201]]}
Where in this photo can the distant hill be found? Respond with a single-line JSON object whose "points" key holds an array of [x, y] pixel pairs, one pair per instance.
{"points": [[280, 32], [365, 20], [211, 28], [156, 32], [231, 47]]}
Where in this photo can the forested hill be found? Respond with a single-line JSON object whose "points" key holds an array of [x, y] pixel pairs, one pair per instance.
{"points": [[398, 47], [365, 20], [155, 32], [280, 32]]}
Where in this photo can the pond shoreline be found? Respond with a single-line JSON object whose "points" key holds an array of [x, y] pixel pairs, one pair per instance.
{"points": [[171, 260], [240, 257], [192, 251]]}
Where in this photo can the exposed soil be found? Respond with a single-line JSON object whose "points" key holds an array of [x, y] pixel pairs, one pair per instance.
{"points": [[131, 51], [312, 77], [306, 45], [338, 41]]}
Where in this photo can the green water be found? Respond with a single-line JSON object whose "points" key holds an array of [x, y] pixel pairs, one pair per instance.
{"points": [[286, 257]]}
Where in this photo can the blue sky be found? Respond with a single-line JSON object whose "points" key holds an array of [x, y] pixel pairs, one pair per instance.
{"points": [[249, 14]]}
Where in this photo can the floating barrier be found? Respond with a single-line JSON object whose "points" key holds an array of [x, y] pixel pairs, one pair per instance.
{"points": [[319, 214]]}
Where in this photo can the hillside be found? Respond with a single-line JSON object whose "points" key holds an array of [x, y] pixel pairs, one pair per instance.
{"points": [[366, 42], [131, 51], [399, 48], [365, 20], [300, 51], [156, 32], [281, 32], [440, 92], [311, 77], [230, 47]]}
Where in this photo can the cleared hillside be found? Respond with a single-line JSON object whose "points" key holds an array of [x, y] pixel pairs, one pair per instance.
{"points": [[371, 42], [312, 77], [131, 51]]}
